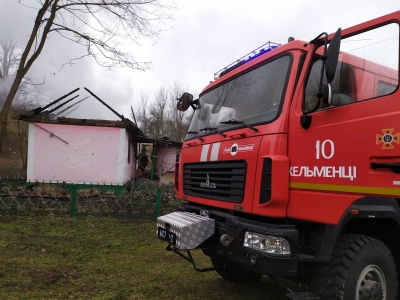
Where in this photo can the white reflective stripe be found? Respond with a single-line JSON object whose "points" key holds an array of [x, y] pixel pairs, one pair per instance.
{"points": [[214, 151], [204, 153]]}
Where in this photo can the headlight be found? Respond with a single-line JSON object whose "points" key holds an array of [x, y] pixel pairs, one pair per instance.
{"points": [[266, 243]]}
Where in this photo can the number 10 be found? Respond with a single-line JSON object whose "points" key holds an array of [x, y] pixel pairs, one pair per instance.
{"points": [[321, 149]]}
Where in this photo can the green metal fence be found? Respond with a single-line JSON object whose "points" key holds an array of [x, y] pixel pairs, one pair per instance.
{"points": [[146, 200]]}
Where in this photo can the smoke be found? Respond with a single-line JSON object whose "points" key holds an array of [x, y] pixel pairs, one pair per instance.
{"points": [[57, 70], [207, 35]]}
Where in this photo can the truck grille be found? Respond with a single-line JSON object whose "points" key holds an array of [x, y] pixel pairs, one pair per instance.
{"points": [[223, 181]]}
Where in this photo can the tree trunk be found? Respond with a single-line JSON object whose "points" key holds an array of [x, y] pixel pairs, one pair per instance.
{"points": [[3, 135], [5, 111]]}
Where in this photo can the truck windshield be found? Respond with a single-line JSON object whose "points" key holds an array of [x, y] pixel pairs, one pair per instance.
{"points": [[252, 98]]}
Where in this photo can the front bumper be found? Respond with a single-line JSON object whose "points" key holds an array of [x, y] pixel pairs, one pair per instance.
{"points": [[226, 225]]}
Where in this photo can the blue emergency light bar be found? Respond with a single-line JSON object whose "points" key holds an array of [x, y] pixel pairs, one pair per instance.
{"points": [[253, 54]]}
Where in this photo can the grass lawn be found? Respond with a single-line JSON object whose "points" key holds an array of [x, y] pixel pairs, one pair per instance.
{"points": [[105, 258]]}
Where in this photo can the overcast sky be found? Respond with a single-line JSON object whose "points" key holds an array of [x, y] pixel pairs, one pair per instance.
{"points": [[204, 37]]}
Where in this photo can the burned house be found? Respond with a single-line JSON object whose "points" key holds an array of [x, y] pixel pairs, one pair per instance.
{"points": [[78, 150], [84, 150]]}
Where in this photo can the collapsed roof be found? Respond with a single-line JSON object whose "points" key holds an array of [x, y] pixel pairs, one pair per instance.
{"points": [[56, 112]]}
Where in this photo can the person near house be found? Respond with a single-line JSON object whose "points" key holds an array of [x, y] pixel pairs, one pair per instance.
{"points": [[143, 162]]}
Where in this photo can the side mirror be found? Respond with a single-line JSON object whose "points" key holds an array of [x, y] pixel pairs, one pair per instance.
{"points": [[184, 101], [332, 56], [330, 60]]}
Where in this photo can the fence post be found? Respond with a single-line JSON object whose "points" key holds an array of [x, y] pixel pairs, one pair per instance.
{"points": [[74, 196], [158, 201]]}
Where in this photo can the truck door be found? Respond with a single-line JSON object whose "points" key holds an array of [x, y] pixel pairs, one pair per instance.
{"points": [[352, 147]]}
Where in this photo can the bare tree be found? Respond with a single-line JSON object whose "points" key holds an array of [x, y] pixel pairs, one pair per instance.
{"points": [[177, 121], [28, 97], [99, 26], [9, 57], [152, 114], [160, 118], [158, 113], [143, 115]]}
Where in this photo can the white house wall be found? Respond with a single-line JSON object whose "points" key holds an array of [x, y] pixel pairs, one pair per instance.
{"points": [[126, 169], [78, 154]]}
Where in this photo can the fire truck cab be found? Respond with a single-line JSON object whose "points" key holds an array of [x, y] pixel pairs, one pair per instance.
{"points": [[291, 165]]}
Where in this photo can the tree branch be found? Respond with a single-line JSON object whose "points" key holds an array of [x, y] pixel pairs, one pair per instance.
{"points": [[100, 26]]}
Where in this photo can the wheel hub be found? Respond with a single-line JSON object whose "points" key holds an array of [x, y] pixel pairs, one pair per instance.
{"points": [[371, 284]]}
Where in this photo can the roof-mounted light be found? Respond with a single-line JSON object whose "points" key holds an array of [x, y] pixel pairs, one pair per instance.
{"points": [[253, 54]]}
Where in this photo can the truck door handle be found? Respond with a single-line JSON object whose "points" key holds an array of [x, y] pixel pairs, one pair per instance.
{"points": [[394, 167]]}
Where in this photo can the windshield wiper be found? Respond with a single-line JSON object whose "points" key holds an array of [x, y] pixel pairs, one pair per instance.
{"points": [[208, 128], [234, 121], [196, 133]]}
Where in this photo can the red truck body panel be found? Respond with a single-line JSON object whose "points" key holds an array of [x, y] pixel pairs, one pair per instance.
{"points": [[304, 186]]}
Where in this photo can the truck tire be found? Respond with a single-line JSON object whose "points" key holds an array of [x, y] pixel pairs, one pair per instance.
{"points": [[361, 267], [234, 273]]}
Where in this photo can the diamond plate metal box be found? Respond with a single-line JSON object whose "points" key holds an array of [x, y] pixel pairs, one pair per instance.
{"points": [[190, 229]]}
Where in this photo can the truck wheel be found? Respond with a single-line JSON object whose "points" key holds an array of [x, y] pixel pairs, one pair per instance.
{"points": [[361, 268], [234, 273]]}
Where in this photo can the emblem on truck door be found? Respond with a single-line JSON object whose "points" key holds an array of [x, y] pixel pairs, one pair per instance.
{"points": [[208, 184], [387, 138]]}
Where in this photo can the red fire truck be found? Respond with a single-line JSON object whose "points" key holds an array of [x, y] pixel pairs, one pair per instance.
{"points": [[291, 165]]}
